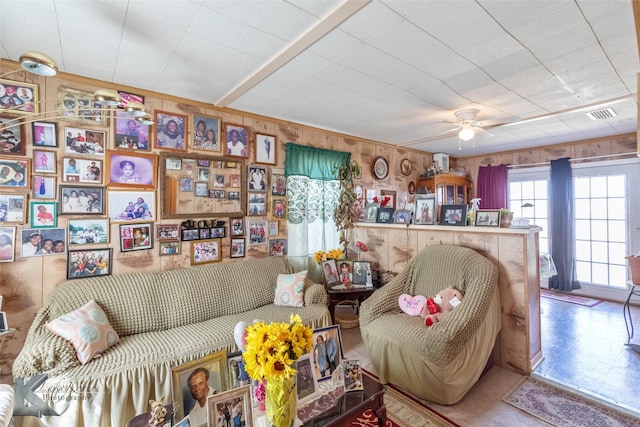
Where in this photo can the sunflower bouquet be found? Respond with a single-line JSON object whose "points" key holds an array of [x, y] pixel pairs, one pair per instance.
{"points": [[321, 256], [272, 348]]}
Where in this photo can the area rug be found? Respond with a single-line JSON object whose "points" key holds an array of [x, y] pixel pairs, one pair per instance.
{"points": [[574, 299], [564, 409]]}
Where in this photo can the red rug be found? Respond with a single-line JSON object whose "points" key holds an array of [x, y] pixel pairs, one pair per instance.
{"points": [[567, 297]]}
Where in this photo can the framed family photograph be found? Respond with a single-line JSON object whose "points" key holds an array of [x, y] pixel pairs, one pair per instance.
{"points": [[487, 218], [237, 248], [273, 228], [76, 170], [169, 248], [12, 137], [453, 215], [44, 161], [330, 272], [135, 237], [43, 214], [201, 190], [125, 206], [15, 174], [257, 178], [44, 134], [170, 131], [237, 226], [206, 133], [79, 106], [190, 234], [257, 232], [131, 169], [265, 149], [89, 263], [236, 402], [12, 208], [21, 98], [44, 187], [402, 216], [131, 135], [278, 247], [88, 232], [278, 209], [236, 140], [371, 212], [425, 209], [352, 375], [306, 379], [361, 270], [84, 141], [235, 368], [327, 351], [278, 185], [85, 200], [213, 367], [167, 232], [43, 241], [205, 251], [7, 246]]}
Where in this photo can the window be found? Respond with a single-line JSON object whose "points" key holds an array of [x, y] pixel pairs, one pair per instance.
{"points": [[530, 188]]}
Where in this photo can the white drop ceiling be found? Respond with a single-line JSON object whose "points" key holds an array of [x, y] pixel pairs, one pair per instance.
{"points": [[387, 70]]}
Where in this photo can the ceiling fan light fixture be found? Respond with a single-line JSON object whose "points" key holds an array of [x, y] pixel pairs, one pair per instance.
{"points": [[38, 63], [107, 97], [135, 109], [466, 133]]}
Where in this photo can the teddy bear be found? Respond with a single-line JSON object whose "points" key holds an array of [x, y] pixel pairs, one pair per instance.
{"points": [[437, 308]]}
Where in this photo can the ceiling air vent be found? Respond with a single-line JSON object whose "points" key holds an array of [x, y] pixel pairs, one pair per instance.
{"points": [[601, 114]]}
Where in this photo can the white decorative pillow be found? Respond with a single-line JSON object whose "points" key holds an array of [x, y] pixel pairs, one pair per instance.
{"points": [[290, 289], [87, 329]]}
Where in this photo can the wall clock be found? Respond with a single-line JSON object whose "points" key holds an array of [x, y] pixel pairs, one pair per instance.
{"points": [[380, 168], [405, 167]]}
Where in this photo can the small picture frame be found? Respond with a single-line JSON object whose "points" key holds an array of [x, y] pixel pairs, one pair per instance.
{"points": [[87, 142], [43, 241], [203, 163], [79, 106], [136, 237], [173, 164], [257, 232], [402, 216], [190, 234], [7, 246], [81, 199], [44, 161], [186, 184], [236, 140], [233, 195], [265, 149], [212, 366], [325, 362], [218, 180], [131, 169], [352, 375], [131, 135], [170, 131], [21, 97], [240, 402], [425, 209], [205, 251], [218, 232], [273, 228], [361, 270], [238, 376], [453, 215], [201, 189], [234, 180], [391, 194], [345, 271], [43, 214], [15, 174], [206, 133], [487, 218], [167, 232], [371, 212], [169, 248], [131, 206], [330, 272], [77, 170], [278, 209], [88, 232], [12, 136], [384, 215], [44, 134], [237, 226], [278, 247], [205, 233], [13, 208], [237, 248], [257, 178], [218, 194], [203, 175], [89, 263], [44, 187], [278, 185], [306, 379]]}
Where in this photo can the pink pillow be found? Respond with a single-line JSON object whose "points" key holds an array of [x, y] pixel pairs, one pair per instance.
{"points": [[87, 329], [412, 305], [290, 289]]}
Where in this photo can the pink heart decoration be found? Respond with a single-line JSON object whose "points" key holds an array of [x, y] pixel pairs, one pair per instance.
{"points": [[412, 305]]}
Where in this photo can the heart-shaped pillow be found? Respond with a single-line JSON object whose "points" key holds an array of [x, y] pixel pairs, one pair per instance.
{"points": [[412, 305]]}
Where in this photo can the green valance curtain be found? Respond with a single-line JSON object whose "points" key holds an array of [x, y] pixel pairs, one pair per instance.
{"points": [[315, 163]]}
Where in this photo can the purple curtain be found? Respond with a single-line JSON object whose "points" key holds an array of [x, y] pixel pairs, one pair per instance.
{"points": [[492, 187]]}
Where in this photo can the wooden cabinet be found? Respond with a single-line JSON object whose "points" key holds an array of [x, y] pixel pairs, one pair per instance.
{"points": [[450, 189]]}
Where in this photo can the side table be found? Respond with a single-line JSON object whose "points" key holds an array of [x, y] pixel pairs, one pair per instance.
{"points": [[341, 294]]}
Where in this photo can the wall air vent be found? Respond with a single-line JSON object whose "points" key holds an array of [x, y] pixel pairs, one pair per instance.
{"points": [[601, 114]]}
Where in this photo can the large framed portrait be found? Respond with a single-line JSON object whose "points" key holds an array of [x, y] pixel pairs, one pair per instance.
{"points": [[327, 351], [237, 248], [236, 140], [170, 131], [44, 134], [88, 171], [12, 137], [257, 232], [12, 208], [79, 106], [257, 178], [236, 401], [44, 187], [88, 231], [125, 205], [205, 251], [193, 373], [131, 135], [206, 133], [19, 97], [44, 161], [43, 241], [135, 237], [89, 263], [15, 174], [87, 142], [7, 245], [81, 199], [453, 215], [306, 379], [43, 214], [265, 149], [131, 169], [425, 209]]}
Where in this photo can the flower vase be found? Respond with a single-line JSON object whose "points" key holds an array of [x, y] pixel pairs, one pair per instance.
{"points": [[281, 402]]}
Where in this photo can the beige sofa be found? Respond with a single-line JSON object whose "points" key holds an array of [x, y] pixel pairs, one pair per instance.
{"points": [[164, 319], [442, 362]]}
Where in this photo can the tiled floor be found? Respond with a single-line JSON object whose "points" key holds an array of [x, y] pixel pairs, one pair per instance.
{"points": [[584, 347]]}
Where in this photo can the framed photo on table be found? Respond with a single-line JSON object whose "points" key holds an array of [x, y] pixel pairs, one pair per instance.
{"points": [[425, 209], [12, 137], [384, 215], [238, 399], [330, 272], [21, 97], [402, 217], [371, 212], [453, 215], [332, 340], [265, 149], [306, 379], [487, 218]]}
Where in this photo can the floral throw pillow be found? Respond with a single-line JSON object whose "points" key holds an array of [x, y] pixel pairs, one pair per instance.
{"points": [[87, 329], [290, 289]]}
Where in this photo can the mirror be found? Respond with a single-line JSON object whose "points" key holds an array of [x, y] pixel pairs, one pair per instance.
{"points": [[200, 186]]}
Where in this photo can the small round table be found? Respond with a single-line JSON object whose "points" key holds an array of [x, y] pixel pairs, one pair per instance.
{"points": [[339, 293]]}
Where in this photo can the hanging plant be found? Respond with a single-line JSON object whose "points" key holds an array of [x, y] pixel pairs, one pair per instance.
{"points": [[346, 211]]}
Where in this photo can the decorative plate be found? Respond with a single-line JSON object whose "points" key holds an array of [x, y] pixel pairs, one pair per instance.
{"points": [[405, 167], [380, 168]]}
